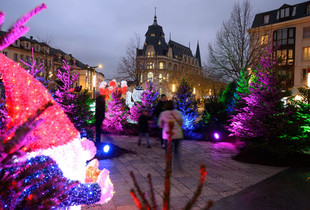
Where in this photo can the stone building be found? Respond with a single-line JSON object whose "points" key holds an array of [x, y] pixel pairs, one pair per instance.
{"points": [[52, 60], [288, 29], [165, 64]]}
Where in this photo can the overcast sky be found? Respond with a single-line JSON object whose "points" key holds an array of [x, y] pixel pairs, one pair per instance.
{"points": [[98, 31]]}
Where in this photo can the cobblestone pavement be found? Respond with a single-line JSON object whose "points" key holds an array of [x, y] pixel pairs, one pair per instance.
{"points": [[225, 176]]}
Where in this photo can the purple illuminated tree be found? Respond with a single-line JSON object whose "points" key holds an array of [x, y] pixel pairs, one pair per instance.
{"points": [[265, 124], [116, 114], [148, 98], [35, 70]]}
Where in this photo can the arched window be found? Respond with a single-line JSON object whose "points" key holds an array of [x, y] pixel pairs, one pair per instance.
{"points": [[150, 76], [167, 77], [161, 65], [160, 77]]}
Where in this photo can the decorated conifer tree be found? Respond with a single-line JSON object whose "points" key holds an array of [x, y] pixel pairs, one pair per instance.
{"points": [[116, 114], [84, 115], [64, 96], [148, 98], [265, 124], [185, 103], [36, 71], [242, 89]]}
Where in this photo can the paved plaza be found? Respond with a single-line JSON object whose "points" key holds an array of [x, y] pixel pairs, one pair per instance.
{"points": [[225, 176]]}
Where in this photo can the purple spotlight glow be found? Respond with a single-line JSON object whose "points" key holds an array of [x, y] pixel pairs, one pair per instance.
{"points": [[216, 136]]}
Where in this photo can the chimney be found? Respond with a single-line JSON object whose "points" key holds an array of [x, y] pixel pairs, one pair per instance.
{"points": [[31, 37]]}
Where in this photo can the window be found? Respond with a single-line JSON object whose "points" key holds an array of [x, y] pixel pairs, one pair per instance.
{"points": [[306, 32], [37, 48], [160, 78], [308, 9], [150, 54], [27, 45], [284, 12], [266, 19], [150, 65], [304, 73], [264, 39], [160, 91], [15, 57], [159, 43], [152, 34], [294, 11], [284, 36], [161, 65], [285, 56], [22, 57], [141, 78], [150, 76], [306, 53], [27, 59], [15, 43], [5, 53], [167, 77]]}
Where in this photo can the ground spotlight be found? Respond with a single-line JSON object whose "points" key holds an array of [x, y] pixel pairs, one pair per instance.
{"points": [[216, 136], [106, 148]]}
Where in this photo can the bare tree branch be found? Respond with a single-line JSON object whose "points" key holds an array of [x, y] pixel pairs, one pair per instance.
{"points": [[234, 48]]}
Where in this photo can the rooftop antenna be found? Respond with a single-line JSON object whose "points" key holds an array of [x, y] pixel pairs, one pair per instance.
{"points": [[155, 18]]}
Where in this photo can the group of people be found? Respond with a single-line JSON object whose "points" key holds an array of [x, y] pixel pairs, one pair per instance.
{"points": [[163, 113]]}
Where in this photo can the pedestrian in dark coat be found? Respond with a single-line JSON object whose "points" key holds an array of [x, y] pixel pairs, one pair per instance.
{"points": [[159, 108], [143, 123], [99, 115]]}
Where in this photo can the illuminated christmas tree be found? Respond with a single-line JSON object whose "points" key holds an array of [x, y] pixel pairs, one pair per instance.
{"points": [[265, 124], [148, 98], [184, 102], [116, 114]]}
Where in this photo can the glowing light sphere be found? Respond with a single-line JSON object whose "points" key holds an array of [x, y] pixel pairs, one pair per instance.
{"points": [[216, 136], [106, 148]]}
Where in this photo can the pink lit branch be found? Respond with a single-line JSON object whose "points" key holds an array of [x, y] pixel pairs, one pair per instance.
{"points": [[18, 29]]}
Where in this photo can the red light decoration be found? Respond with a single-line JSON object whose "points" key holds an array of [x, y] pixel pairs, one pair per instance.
{"points": [[25, 95]]}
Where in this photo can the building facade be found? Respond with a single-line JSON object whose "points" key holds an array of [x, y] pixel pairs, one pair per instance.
{"points": [[165, 64], [287, 29], [52, 60]]}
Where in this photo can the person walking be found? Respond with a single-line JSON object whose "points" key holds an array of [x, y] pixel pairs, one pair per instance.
{"points": [[171, 114], [159, 108], [143, 123], [99, 116]]}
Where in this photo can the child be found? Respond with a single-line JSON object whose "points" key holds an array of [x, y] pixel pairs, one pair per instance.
{"points": [[143, 123]]}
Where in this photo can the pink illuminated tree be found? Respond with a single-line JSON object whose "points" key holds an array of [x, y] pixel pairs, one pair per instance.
{"points": [[116, 114]]}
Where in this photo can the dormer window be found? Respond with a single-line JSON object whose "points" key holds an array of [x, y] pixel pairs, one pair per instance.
{"points": [[294, 11], [308, 9], [159, 43], [266, 19], [284, 12], [150, 54]]}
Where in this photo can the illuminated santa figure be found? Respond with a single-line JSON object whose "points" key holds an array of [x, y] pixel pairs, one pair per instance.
{"points": [[55, 138]]}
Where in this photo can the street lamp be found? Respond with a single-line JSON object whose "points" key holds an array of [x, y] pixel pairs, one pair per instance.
{"points": [[94, 77]]}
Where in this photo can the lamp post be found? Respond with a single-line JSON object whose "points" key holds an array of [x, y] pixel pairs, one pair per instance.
{"points": [[94, 80]]}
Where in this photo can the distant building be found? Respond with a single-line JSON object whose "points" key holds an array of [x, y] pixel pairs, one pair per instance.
{"points": [[52, 59], [287, 27], [166, 63]]}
